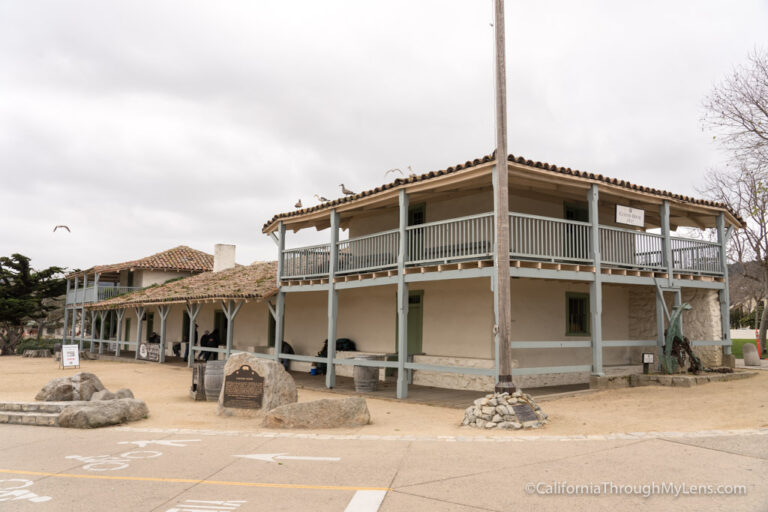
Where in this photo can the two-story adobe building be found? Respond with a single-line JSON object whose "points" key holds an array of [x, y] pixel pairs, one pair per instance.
{"points": [[593, 261]]}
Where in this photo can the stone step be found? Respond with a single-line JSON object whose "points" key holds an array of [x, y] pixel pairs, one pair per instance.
{"points": [[30, 418], [34, 407]]}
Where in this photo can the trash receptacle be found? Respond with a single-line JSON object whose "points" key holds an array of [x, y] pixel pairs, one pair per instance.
{"points": [[366, 377]]}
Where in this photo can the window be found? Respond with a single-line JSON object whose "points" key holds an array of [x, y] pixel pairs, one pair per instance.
{"points": [[150, 318], [576, 314], [576, 212]]}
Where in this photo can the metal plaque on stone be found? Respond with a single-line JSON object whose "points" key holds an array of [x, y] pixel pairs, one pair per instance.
{"points": [[243, 389], [149, 352], [525, 412]]}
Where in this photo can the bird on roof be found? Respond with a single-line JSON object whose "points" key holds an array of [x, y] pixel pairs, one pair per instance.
{"points": [[346, 191], [321, 198], [394, 170], [298, 204], [62, 226], [411, 174]]}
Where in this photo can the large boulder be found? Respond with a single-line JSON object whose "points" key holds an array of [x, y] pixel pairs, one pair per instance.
{"points": [[751, 357], [102, 413], [324, 413], [80, 386], [124, 393], [105, 394], [277, 386]]}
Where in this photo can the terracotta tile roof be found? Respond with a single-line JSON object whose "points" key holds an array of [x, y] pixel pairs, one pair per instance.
{"points": [[255, 281], [178, 259], [511, 158]]}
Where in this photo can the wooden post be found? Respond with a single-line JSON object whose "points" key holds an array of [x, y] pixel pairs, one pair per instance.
{"points": [[333, 301], [192, 311], [120, 314], [501, 210], [139, 314], [666, 241], [279, 316], [163, 311], [66, 316], [402, 301], [596, 286], [724, 294], [102, 317], [280, 251], [74, 313], [82, 313], [230, 311], [660, 316], [93, 330]]}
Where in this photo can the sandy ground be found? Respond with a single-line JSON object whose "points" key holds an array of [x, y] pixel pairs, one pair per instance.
{"points": [[727, 405]]}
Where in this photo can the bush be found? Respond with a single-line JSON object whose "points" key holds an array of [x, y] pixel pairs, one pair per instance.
{"points": [[33, 344]]}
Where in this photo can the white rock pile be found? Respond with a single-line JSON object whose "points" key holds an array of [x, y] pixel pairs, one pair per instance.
{"points": [[496, 411]]}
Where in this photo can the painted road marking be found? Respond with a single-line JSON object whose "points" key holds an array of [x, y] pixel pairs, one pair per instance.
{"points": [[203, 505], [14, 489], [365, 501], [162, 442], [110, 463], [270, 457], [196, 481]]}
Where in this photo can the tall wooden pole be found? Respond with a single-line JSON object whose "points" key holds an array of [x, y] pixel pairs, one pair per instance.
{"points": [[501, 210]]}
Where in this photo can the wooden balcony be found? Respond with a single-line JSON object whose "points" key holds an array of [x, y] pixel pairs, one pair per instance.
{"points": [[90, 294], [534, 241]]}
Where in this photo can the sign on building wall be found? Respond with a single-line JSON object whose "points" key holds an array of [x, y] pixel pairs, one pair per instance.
{"points": [[630, 216], [70, 356]]}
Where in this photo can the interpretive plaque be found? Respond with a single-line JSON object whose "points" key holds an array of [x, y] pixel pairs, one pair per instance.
{"points": [[525, 413], [243, 389], [149, 352]]}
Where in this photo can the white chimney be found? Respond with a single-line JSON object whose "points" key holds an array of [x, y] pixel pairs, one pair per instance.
{"points": [[223, 257]]}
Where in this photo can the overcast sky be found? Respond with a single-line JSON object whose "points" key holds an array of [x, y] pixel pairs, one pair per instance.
{"points": [[146, 125]]}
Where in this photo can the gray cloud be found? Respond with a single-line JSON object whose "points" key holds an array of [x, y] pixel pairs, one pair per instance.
{"points": [[151, 124]]}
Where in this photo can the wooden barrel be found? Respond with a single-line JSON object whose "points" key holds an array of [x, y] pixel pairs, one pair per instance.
{"points": [[214, 378], [366, 377]]}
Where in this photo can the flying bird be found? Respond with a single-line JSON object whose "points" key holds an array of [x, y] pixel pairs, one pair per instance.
{"points": [[346, 191], [298, 204], [63, 227], [321, 198], [394, 171]]}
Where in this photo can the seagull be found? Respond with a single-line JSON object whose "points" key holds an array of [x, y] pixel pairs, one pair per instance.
{"points": [[346, 191], [321, 198], [411, 174], [394, 171], [298, 204], [63, 227]]}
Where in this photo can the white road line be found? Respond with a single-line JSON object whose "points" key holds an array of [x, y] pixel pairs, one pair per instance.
{"points": [[270, 457], [365, 501]]}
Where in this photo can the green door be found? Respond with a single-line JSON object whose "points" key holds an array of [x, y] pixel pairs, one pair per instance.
{"points": [[415, 322], [220, 323]]}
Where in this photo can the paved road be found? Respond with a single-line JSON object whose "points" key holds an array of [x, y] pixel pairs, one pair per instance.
{"points": [[48, 469]]}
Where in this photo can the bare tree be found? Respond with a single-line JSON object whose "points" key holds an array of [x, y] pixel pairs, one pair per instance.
{"points": [[737, 110]]}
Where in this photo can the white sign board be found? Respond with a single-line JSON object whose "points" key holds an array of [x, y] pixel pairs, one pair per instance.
{"points": [[630, 216], [70, 356], [647, 357]]}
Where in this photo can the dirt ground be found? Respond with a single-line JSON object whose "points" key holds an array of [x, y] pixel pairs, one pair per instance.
{"points": [[722, 405]]}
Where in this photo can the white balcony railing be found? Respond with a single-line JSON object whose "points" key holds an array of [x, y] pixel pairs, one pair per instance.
{"points": [[89, 293], [532, 237]]}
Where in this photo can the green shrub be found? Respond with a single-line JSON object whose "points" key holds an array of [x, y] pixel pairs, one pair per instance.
{"points": [[34, 344]]}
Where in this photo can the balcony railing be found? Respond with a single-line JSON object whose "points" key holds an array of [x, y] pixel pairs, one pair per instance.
{"points": [[532, 237], [89, 294]]}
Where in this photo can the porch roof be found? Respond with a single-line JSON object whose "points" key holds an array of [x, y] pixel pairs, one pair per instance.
{"points": [[517, 164], [177, 259], [249, 282]]}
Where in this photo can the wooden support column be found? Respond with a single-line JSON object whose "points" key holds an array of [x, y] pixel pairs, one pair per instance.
{"points": [[280, 251], [93, 330], [501, 290], [102, 320], [120, 313], [279, 315], [402, 301], [192, 311], [66, 315], [163, 311], [660, 325], [230, 309], [723, 237], [333, 301], [74, 313], [82, 312], [595, 286], [139, 314]]}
